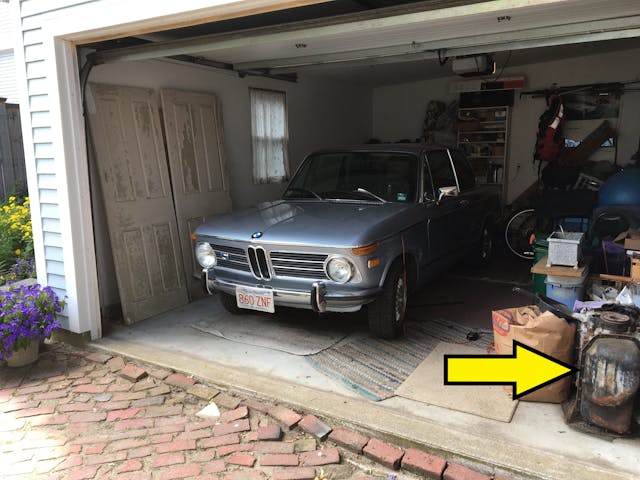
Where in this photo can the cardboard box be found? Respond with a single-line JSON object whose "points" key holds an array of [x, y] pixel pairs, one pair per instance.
{"points": [[629, 239]]}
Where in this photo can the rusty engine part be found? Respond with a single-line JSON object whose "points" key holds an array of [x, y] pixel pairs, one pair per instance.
{"points": [[607, 388]]}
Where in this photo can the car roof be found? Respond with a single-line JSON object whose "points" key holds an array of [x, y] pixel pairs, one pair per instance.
{"points": [[415, 148]]}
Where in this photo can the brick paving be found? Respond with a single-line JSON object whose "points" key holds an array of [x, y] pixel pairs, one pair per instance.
{"points": [[79, 414]]}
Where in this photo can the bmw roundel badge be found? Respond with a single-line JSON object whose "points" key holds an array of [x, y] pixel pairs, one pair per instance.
{"points": [[256, 235]]}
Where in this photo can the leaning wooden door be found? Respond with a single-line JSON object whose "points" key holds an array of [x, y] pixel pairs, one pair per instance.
{"points": [[132, 165], [193, 130]]}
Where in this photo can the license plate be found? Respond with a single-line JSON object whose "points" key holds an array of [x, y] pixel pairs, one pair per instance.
{"points": [[260, 299]]}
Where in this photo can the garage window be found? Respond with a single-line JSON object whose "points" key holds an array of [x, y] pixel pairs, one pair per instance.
{"points": [[269, 135]]}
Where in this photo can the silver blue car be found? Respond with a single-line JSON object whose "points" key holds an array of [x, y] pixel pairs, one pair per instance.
{"points": [[356, 227]]}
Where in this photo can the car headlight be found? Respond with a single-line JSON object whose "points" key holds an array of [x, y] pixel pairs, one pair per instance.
{"points": [[205, 255], [340, 270]]}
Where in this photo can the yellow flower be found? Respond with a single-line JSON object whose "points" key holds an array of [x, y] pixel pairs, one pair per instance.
{"points": [[18, 252]]}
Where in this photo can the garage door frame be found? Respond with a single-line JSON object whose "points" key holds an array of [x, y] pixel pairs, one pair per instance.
{"points": [[61, 31]]}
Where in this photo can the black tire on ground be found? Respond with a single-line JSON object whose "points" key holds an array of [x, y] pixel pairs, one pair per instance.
{"points": [[229, 303], [387, 313], [484, 252]]}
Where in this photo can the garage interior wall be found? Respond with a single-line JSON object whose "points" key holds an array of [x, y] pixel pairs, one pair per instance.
{"points": [[398, 110], [320, 114]]}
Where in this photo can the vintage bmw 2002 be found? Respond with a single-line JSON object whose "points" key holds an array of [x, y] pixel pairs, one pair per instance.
{"points": [[357, 226]]}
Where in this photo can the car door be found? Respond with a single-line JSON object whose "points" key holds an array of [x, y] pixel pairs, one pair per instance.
{"points": [[444, 216], [469, 198]]}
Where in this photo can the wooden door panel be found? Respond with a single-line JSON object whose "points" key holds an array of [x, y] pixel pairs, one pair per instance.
{"points": [[131, 161], [193, 128]]}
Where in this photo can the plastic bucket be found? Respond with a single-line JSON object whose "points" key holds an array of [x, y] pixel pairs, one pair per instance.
{"points": [[540, 249], [565, 289]]}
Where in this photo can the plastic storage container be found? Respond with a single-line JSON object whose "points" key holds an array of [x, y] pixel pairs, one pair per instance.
{"points": [[565, 248], [565, 289], [540, 249]]}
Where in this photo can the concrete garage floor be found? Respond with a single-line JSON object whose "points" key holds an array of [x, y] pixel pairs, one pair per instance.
{"points": [[535, 444]]}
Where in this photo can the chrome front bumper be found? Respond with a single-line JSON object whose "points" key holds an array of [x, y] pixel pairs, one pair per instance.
{"points": [[316, 298]]}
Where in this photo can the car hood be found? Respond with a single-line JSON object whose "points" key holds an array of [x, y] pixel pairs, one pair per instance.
{"points": [[310, 223]]}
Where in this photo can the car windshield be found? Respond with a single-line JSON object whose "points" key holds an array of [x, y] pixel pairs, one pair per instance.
{"points": [[370, 176]]}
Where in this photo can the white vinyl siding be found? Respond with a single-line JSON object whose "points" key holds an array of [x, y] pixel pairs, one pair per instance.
{"points": [[47, 167], [8, 82]]}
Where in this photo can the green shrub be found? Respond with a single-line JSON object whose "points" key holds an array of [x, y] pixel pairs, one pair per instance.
{"points": [[16, 237]]}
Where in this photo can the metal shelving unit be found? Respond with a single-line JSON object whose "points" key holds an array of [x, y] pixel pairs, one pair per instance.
{"points": [[483, 135]]}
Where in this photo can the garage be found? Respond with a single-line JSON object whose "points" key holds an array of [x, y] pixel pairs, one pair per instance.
{"points": [[131, 185]]}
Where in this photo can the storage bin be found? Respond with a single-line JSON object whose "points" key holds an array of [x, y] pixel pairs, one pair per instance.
{"points": [[565, 289], [574, 224], [540, 249], [565, 248]]}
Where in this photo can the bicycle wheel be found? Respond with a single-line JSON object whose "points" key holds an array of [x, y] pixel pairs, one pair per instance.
{"points": [[518, 232]]}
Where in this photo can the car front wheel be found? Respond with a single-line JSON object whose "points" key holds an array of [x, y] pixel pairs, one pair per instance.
{"points": [[229, 303], [485, 246], [387, 313]]}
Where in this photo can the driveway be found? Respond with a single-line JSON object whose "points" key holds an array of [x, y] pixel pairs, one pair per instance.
{"points": [[535, 444], [79, 414]]}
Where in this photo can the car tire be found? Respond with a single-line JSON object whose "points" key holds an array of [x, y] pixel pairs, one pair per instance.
{"points": [[229, 303], [387, 313], [484, 252]]}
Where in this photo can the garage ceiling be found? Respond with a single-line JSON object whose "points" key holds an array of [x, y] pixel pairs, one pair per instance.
{"points": [[382, 44]]}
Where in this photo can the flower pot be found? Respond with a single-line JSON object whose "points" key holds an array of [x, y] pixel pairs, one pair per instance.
{"points": [[24, 356]]}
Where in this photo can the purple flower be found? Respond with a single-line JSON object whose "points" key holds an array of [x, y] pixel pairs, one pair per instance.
{"points": [[26, 313]]}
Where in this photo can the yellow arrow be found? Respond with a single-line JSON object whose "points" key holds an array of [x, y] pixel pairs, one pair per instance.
{"points": [[527, 369]]}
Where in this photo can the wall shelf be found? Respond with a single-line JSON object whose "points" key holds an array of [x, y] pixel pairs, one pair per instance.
{"points": [[483, 137]]}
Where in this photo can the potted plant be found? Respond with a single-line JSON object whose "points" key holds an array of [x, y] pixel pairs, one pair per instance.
{"points": [[27, 315]]}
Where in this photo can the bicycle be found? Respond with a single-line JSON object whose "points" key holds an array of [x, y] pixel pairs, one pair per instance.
{"points": [[520, 230], [519, 233]]}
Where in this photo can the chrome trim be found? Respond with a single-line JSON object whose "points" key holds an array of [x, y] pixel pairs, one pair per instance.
{"points": [[288, 244], [356, 277], [297, 298], [260, 274], [307, 265], [455, 174], [320, 291], [206, 280], [319, 270]]}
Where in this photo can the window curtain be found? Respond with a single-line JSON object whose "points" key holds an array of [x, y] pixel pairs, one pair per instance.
{"points": [[270, 136]]}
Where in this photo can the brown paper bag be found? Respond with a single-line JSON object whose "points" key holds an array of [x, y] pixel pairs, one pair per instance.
{"points": [[543, 331]]}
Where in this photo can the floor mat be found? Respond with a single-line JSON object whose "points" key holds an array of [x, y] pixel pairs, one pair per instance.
{"points": [[274, 331], [375, 368], [426, 385]]}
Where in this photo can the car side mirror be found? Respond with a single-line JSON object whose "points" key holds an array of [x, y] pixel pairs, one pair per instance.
{"points": [[447, 192]]}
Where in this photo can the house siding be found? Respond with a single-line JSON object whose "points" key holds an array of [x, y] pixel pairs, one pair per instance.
{"points": [[46, 165], [8, 85]]}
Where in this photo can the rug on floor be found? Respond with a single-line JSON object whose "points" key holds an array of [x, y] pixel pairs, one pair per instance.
{"points": [[426, 385], [375, 368]]}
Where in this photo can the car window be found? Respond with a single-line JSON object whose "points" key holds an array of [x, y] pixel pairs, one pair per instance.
{"points": [[441, 170], [338, 175], [466, 179], [427, 183]]}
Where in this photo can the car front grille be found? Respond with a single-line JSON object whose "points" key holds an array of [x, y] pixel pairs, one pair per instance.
{"points": [[258, 261], [264, 265], [300, 265], [233, 258]]}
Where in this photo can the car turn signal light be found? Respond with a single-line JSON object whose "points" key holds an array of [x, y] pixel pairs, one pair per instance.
{"points": [[366, 250], [374, 262]]}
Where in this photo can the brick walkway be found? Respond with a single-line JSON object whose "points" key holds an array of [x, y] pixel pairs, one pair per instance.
{"points": [[82, 415]]}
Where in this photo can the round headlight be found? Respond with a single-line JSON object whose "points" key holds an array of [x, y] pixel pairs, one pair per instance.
{"points": [[339, 270], [205, 255]]}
